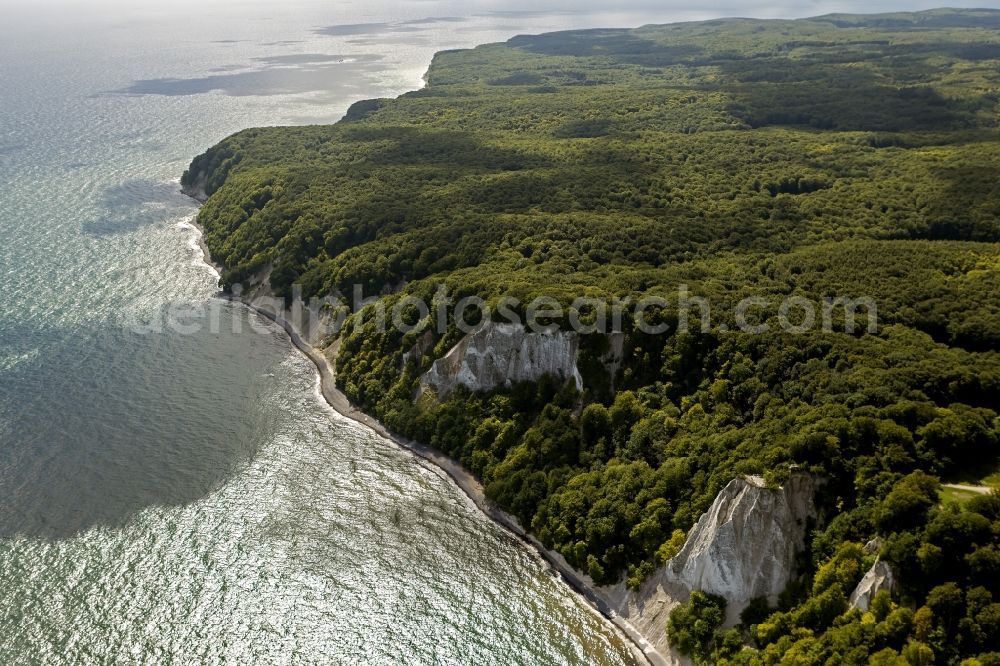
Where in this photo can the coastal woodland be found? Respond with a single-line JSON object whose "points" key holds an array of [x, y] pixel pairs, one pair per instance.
{"points": [[837, 156]]}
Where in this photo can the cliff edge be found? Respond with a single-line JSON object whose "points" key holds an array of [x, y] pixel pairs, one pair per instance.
{"points": [[745, 546], [498, 355]]}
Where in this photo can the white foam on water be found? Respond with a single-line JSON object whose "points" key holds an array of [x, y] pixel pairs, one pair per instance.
{"points": [[195, 235], [9, 362]]}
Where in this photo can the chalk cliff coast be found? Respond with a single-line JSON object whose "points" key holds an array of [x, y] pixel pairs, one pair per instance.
{"points": [[743, 547]]}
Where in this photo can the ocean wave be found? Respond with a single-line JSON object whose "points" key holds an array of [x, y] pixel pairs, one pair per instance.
{"points": [[195, 244], [10, 361]]}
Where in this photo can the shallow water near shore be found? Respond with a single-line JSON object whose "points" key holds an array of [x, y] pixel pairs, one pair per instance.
{"points": [[169, 498]]}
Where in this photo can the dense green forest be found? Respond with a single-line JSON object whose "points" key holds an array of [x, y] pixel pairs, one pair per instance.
{"points": [[838, 156]]}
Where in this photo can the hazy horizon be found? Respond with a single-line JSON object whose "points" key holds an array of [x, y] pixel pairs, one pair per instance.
{"points": [[77, 10]]}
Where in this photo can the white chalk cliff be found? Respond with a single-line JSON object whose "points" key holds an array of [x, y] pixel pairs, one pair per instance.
{"points": [[497, 355], [743, 547], [878, 578]]}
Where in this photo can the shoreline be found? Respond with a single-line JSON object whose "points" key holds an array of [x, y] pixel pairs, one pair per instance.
{"points": [[643, 651]]}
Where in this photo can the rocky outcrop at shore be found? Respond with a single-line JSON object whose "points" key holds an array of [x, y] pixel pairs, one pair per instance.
{"points": [[195, 188]]}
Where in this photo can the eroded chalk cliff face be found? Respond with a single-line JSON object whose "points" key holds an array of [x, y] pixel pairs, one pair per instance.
{"points": [[497, 355], [879, 577], [746, 544], [743, 547]]}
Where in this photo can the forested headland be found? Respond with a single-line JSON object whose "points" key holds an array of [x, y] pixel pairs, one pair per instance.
{"points": [[836, 156]]}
